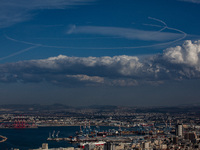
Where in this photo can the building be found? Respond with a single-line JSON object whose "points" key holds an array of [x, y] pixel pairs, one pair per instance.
{"points": [[179, 130]]}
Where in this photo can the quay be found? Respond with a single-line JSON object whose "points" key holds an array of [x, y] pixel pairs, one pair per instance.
{"points": [[95, 139], [58, 139]]}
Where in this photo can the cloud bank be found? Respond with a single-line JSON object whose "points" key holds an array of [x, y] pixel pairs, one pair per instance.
{"points": [[15, 11], [176, 63]]}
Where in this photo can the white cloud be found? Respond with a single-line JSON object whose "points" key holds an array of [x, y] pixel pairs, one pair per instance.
{"points": [[125, 65], [176, 63], [187, 54], [125, 32], [15, 11], [82, 77]]}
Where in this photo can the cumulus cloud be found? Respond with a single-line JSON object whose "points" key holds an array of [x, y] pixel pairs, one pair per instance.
{"points": [[181, 62], [12, 11], [187, 54], [176, 63], [64, 70]]}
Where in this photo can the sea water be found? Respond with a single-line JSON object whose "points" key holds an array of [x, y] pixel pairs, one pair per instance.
{"points": [[32, 138]]}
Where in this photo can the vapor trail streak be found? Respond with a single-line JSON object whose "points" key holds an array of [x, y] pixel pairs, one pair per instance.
{"points": [[129, 47], [166, 27], [158, 20], [29, 43], [19, 52]]}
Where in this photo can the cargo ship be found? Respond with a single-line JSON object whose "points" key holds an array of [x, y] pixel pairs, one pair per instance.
{"points": [[98, 143]]}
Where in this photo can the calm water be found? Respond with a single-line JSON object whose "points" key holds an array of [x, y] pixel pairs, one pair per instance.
{"points": [[25, 139]]}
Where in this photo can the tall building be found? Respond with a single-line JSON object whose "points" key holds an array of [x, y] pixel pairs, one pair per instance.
{"points": [[179, 130]]}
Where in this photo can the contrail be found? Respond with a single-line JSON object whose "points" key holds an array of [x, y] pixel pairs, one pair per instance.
{"points": [[129, 47], [163, 27], [19, 52], [184, 34], [158, 20], [37, 44], [153, 25], [166, 27], [29, 43]]}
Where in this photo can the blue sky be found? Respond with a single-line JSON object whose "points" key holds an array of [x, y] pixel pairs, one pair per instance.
{"points": [[80, 52]]}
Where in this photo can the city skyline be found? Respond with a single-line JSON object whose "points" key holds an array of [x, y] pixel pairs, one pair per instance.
{"points": [[85, 52]]}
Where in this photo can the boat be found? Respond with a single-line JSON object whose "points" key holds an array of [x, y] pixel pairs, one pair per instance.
{"points": [[98, 143]]}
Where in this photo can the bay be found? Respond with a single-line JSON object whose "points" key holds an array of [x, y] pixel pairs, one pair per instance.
{"points": [[28, 138]]}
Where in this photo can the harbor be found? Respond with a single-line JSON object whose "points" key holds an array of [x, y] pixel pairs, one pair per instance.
{"points": [[113, 130], [125, 135]]}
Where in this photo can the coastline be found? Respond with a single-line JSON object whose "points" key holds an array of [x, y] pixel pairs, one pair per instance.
{"points": [[3, 138]]}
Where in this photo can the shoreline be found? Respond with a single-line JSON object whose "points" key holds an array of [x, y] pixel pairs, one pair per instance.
{"points": [[3, 138]]}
